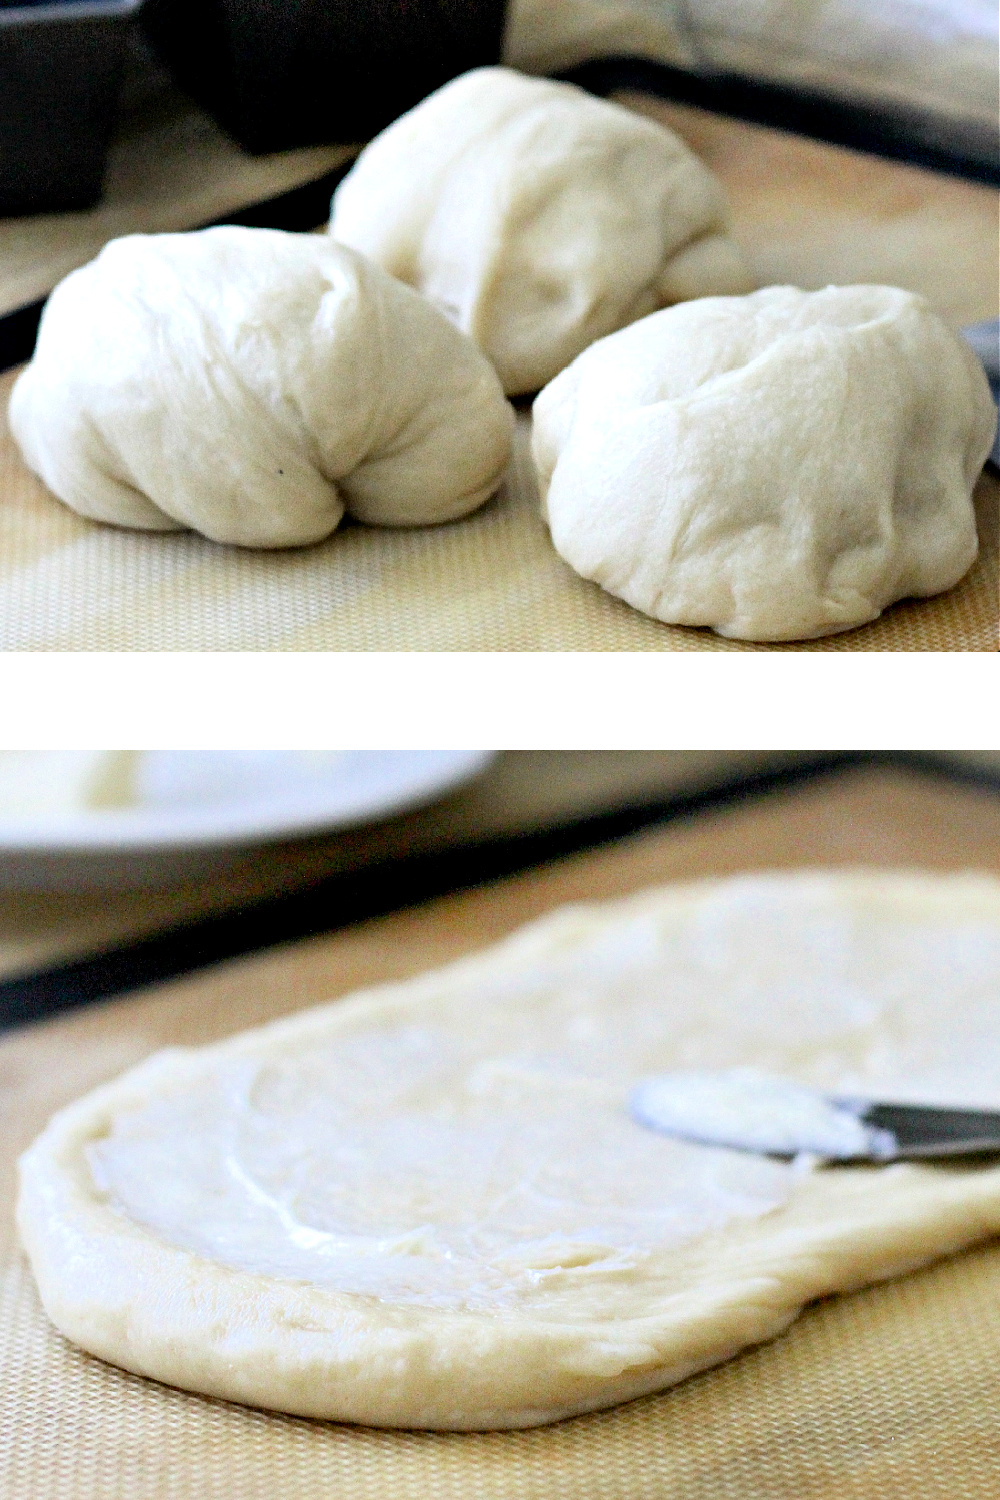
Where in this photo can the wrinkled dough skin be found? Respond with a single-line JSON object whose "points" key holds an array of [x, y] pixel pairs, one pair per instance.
{"points": [[253, 385], [537, 217], [779, 466]]}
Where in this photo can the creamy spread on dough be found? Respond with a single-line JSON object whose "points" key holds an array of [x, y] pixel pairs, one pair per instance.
{"points": [[475, 1150], [428, 1205], [403, 1167], [755, 1111]]}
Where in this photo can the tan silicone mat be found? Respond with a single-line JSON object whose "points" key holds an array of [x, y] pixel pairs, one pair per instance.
{"points": [[492, 582], [806, 212], [892, 1393]]}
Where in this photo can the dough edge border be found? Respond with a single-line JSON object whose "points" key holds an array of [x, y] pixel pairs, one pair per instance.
{"points": [[285, 1346]]}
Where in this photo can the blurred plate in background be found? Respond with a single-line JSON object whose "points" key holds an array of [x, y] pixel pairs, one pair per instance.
{"points": [[74, 820]]}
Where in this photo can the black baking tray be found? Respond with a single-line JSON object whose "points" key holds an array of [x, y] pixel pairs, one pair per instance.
{"points": [[283, 73], [359, 895], [61, 69]]}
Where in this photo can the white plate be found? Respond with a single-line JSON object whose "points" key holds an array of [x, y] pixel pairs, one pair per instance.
{"points": [[190, 810]]}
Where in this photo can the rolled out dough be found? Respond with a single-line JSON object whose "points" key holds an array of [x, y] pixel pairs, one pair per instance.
{"points": [[428, 1206]]}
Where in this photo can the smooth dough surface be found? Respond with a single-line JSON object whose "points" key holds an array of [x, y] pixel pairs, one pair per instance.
{"points": [[428, 1205], [537, 217], [252, 385], [777, 466]]}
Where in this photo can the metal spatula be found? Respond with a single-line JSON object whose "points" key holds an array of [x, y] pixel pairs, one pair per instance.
{"points": [[919, 1132], [747, 1110]]}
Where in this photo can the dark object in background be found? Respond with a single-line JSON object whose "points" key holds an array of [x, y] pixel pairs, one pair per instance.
{"points": [[283, 73], [985, 340], [61, 68], [964, 146], [300, 209]]}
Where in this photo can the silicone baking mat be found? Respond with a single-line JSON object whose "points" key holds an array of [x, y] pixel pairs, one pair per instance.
{"points": [[806, 212], [891, 1392], [492, 582]]}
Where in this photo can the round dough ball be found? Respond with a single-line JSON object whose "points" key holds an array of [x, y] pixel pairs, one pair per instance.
{"points": [[253, 385], [778, 466], [537, 217]]}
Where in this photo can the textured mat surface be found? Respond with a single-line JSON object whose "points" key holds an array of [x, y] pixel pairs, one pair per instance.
{"points": [[845, 1407], [492, 582], [892, 1392]]}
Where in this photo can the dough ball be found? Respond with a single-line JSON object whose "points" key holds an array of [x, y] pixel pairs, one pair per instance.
{"points": [[537, 217], [253, 385], [778, 466]]}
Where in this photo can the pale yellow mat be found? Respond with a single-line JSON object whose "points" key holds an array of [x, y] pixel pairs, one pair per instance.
{"points": [[806, 212], [889, 1394], [492, 582]]}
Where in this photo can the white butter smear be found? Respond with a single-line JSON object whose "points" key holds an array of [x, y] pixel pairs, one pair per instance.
{"points": [[441, 1185], [473, 1147], [754, 1111]]}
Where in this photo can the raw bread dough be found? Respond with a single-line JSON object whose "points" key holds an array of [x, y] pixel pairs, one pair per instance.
{"points": [[777, 466], [252, 385], [537, 217], [428, 1205]]}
